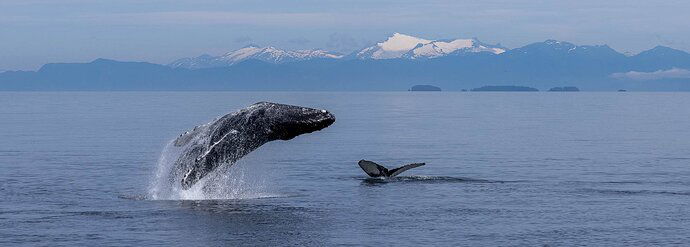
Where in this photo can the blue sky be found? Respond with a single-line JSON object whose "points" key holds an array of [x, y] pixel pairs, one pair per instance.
{"points": [[34, 32]]}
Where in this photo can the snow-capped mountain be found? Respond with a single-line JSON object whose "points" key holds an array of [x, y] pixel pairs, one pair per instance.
{"points": [[405, 46], [541, 65], [396, 46], [203, 61], [267, 54]]}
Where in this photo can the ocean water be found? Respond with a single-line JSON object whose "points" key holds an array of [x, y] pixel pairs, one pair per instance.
{"points": [[503, 169]]}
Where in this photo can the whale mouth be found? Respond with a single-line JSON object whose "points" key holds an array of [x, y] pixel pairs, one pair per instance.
{"points": [[307, 120], [324, 120]]}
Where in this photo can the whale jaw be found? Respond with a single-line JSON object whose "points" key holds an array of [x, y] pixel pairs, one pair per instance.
{"points": [[295, 127]]}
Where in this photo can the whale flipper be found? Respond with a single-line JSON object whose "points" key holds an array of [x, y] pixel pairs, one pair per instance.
{"points": [[375, 170]]}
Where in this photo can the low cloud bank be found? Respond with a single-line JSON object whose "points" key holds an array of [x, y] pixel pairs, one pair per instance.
{"points": [[674, 73]]}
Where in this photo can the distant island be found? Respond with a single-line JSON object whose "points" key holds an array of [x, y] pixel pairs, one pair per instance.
{"points": [[425, 88], [564, 89], [504, 89]]}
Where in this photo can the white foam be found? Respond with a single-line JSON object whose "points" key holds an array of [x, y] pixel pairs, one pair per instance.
{"points": [[238, 181]]}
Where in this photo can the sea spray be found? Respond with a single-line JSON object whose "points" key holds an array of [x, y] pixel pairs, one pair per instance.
{"points": [[161, 186], [245, 179]]}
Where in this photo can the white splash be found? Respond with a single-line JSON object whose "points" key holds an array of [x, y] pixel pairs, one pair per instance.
{"points": [[238, 181]]}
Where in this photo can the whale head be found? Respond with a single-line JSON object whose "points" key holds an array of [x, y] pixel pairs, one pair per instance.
{"points": [[284, 122]]}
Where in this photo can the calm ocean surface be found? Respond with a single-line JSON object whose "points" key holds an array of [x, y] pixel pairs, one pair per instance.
{"points": [[561, 169]]}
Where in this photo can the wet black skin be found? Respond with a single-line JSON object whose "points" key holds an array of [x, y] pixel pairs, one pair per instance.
{"points": [[235, 135]]}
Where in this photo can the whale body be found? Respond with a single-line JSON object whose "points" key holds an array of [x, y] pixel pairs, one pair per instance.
{"points": [[229, 138]]}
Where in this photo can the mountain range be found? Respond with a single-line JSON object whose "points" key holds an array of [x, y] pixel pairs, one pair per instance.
{"points": [[398, 46], [395, 63], [252, 52]]}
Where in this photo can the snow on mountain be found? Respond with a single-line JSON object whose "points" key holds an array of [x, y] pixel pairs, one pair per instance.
{"points": [[267, 54], [274, 55], [203, 61], [405, 46], [396, 46], [443, 48]]}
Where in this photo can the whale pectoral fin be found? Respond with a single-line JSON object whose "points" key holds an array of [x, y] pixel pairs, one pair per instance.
{"points": [[396, 171], [372, 169]]}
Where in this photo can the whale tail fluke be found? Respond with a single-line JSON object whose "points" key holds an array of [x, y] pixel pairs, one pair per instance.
{"points": [[401, 169], [375, 170]]}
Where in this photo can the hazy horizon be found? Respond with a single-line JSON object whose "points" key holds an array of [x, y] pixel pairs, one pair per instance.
{"points": [[36, 32]]}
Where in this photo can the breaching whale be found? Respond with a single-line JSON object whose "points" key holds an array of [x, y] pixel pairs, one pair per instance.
{"points": [[230, 137], [375, 170]]}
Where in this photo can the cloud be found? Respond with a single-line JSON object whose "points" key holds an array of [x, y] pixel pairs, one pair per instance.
{"points": [[674, 73]]}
